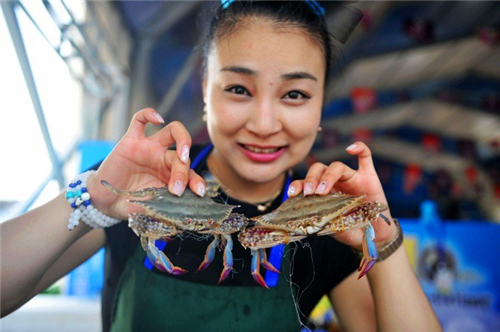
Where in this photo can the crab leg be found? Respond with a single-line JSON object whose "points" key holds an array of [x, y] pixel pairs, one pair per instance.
{"points": [[160, 260], [370, 253], [265, 263], [228, 257], [210, 254], [255, 266]]}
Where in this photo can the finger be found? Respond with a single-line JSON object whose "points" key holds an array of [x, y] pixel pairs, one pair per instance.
{"points": [[312, 178], [179, 173], [364, 154], [197, 184], [294, 188], [336, 171], [141, 119], [175, 132]]}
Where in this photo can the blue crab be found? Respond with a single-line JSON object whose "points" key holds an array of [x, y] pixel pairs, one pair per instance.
{"points": [[167, 215], [303, 216]]}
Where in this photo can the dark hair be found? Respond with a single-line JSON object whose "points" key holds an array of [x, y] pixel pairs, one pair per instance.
{"points": [[299, 14]]}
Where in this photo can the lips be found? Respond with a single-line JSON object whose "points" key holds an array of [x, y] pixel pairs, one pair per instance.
{"points": [[262, 154]]}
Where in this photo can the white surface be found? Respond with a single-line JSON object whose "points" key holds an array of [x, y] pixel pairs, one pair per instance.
{"points": [[55, 313]]}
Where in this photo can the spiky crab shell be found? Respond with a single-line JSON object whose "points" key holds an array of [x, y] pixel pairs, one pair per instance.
{"points": [[308, 214], [187, 212], [144, 225]]}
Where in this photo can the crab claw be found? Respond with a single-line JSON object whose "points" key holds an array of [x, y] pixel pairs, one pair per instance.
{"points": [[228, 257], [210, 254], [256, 267], [265, 263], [370, 253], [161, 261]]}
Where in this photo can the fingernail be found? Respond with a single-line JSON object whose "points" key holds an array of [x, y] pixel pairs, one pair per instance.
{"points": [[308, 188], [178, 188], [351, 147], [185, 154], [159, 118], [321, 188], [291, 191], [200, 189]]}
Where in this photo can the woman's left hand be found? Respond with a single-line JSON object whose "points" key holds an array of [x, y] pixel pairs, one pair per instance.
{"points": [[322, 179]]}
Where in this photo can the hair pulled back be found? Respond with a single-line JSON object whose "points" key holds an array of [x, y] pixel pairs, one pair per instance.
{"points": [[293, 14]]}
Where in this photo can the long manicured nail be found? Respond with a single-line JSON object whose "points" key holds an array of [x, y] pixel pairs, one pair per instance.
{"points": [[291, 191], [351, 147], [159, 118], [321, 188], [178, 188], [185, 154], [308, 189], [200, 189]]}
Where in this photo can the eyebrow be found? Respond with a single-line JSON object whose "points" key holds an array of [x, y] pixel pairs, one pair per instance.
{"points": [[240, 70], [299, 75], [289, 76]]}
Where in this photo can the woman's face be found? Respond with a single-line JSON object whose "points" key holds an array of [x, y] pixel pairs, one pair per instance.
{"points": [[263, 91]]}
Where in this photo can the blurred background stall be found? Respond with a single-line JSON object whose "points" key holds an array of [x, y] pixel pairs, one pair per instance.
{"points": [[418, 81]]}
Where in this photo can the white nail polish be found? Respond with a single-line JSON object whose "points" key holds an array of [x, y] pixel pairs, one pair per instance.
{"points": [[351, 147], [291, 191], [308, 188], [321, 188], [200, 189], [185, 154], [159, 118], [178, 188]]}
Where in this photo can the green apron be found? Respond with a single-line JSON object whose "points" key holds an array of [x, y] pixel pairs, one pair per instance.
{"points": [[147, 301]]}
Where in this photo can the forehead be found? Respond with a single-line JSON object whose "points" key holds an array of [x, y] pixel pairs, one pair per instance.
{"points": [[267, 46]]}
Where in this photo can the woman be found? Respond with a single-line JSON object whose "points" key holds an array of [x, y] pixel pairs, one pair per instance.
{"points": [[266, 66]]}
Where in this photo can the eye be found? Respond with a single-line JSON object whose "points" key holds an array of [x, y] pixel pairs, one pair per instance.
{"points": [[295, 94], [238, 90]]}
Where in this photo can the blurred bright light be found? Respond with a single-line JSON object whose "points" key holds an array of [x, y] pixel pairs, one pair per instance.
{"points": [[25, 160]]}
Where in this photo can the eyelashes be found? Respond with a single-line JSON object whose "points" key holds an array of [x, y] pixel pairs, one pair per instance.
{"points": [[238, 90], [297, 95], [291, 95]]}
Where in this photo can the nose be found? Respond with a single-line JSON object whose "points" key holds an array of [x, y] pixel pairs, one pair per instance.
{"points": [[264, 119]]}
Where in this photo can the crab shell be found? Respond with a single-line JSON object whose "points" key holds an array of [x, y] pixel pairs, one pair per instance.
{"points": [[187, 212], [301, 216]]}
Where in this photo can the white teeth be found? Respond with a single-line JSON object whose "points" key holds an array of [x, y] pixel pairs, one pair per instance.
{"points": [[258, 150]]}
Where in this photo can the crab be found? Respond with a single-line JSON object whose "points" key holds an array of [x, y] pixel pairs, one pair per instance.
{"points": [[167, 215], [302, 216]]}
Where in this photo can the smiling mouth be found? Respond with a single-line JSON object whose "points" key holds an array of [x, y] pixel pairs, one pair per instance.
{"points": [[261, 149]]}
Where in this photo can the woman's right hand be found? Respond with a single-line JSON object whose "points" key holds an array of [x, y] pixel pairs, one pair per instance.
{"points": [[139, 162]]}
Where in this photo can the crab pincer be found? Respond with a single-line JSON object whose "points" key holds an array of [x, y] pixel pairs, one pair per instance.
{"points": [[210, 254], [159, 259], [228, 257], [370, 252]]}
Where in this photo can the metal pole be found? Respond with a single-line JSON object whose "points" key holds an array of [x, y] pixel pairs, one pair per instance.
{"points": [[176, 88], [8, 8]]}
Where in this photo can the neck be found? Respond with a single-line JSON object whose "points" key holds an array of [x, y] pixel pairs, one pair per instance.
{"points": [[240, 188]]}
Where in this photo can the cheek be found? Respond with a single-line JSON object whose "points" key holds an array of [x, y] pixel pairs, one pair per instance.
{"points": [[224, 119], [302, 128]]}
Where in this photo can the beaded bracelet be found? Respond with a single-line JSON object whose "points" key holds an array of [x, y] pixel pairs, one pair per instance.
{"points": [[79, 199]]}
